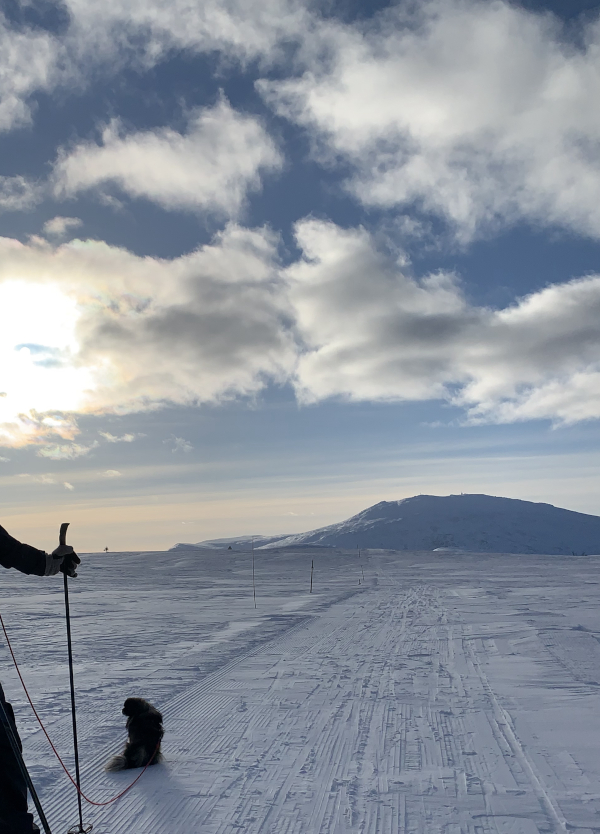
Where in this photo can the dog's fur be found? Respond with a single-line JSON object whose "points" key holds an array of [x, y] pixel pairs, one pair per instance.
{"points": [[145, 731]]}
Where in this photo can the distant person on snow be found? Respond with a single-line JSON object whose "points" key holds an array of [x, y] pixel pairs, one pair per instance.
{"points": [[14, 818]]}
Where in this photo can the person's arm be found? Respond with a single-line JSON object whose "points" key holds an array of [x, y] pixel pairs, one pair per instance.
{"points": [[22, 557]]}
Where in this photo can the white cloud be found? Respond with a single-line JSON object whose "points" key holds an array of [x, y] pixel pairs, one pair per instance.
{"points": [[180, 445], [209, 167], [241, 29], [59, 226], [90, 328], [86, 328], [111, 473], [65, 451], [47, 480], [474, 111], [39, 479], [19, 194], [119, 33], [124, 438], [372, 332], [28, 62]]}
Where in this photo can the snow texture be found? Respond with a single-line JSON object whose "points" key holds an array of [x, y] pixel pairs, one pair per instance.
{"points": [[429, 693], [481, 523]]}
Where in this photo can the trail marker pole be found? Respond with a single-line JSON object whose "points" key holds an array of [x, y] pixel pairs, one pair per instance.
{"points": [[253, 579], [312, 565]]}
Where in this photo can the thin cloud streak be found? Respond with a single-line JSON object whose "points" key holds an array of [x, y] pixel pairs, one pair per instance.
{"points": [[124, 438], [66, 451]]}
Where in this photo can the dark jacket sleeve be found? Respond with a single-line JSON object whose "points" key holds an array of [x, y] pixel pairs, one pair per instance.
{"points": [[23, 557]]}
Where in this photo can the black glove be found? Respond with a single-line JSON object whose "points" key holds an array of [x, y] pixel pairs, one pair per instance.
{"points": [[69, 564], [64, 559]]}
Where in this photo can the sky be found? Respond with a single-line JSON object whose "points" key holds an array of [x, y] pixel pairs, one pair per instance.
{"points": [[264, 264]]}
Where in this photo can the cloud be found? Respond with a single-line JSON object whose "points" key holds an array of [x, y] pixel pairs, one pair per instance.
{"points": [[134, 333], [477, 112], [87, 328], [141, 33], [47, 480], [4, 460], [28, 62], [59, 226], [65, 451], [148, 30], [371, 332], [111, 473], [40, 479], [22, 428], [390, 337], [19, 194], [180, 445], [210, 167], [124, 438]]}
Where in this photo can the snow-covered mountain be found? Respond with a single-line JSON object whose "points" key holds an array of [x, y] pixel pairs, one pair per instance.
{"points": [[235, 542], [480, 523]]}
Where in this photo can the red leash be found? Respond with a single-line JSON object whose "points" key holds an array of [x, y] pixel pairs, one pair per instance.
{"points": [[91, 802]]}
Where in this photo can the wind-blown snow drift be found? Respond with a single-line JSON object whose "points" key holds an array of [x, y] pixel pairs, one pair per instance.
{"points": [[468, 522]]}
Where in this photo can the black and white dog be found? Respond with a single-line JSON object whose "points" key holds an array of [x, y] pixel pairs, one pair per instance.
{"points": [[145, 732]]}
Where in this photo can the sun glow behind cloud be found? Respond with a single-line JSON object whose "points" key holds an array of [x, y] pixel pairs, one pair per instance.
{"points": [[89, 329], [38, 370]]}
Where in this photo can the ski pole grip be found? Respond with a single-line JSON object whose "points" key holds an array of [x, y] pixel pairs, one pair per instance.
{"points": [[62, 536]]}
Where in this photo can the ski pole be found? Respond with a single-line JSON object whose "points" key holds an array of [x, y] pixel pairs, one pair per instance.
{"points": [[62, 539], [5, 721]]}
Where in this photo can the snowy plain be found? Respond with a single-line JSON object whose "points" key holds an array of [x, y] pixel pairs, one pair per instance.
{"points": [[445, 692]]}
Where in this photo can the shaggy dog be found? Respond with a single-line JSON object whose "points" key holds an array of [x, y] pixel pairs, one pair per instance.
{"points": [[145, 731]]}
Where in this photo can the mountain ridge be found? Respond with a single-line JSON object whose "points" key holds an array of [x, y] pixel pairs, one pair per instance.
{"points": [[472, 522]]}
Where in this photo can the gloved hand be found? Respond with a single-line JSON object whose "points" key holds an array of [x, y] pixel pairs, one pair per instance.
{"points": [[64, 559]]}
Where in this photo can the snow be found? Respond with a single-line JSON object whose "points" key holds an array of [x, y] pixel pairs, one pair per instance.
{"points": [[448, 692], [235, 542], [451, 522]]}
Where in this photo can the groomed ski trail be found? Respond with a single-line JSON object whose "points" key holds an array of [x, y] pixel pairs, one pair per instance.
{"points": [[373, 717]]}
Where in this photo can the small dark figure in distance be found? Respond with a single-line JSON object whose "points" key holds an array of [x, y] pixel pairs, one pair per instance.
{"points": [[145, 732]]}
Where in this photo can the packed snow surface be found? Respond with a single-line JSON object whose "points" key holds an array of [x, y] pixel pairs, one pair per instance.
{"points": [[480, 523], [410, 692]]}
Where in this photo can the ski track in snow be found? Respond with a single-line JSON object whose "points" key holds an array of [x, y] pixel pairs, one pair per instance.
{"points": [[445, 695]]}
